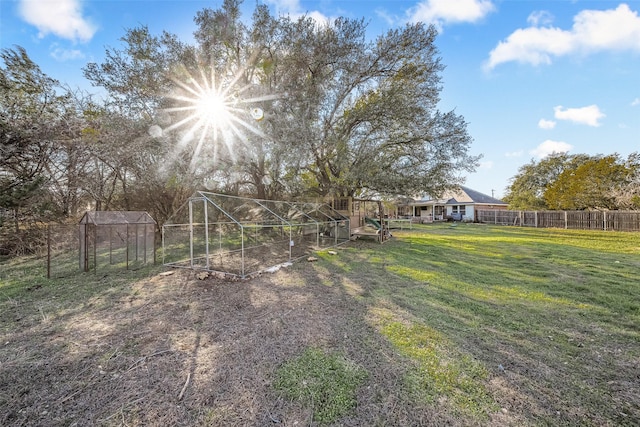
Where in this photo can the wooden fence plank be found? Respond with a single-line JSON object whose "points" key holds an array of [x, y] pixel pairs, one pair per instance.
{"points": [[575, 220]]}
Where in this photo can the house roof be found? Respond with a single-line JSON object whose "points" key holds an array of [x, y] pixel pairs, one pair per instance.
{"points": [[480, 198], [461, 195]]}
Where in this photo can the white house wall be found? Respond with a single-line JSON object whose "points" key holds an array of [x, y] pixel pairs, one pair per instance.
{"points": [[469, 213]]}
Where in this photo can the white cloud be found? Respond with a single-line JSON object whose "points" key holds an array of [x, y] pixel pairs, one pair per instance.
{"points": [[541, 17], [532, 45], [546, 124], [288, 5], [62, 18], [518, 153], [318, 17], [549, 147], [61, 54], [294, 9], [635, 102], [589, 116], [593, 31], [441, 12]]}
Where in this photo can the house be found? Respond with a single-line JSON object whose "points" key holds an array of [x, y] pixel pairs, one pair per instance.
{"points": [[460, 204]]}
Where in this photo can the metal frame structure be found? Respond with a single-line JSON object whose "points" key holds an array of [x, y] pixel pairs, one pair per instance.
{"points": [[241, 236], [127, 236]]}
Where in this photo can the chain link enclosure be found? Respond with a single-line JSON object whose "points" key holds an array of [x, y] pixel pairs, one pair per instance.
{"points": [[241, 236], [121, 238]]}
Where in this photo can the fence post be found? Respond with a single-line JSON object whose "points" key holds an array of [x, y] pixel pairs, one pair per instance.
{"points": [[604, 221], [95, 249], [291, 241], [127, 251], [86, 249], [48, 251], [111, 245], [535, 214], [206, 232], [495, 217], [566, 224], [144, 243], [191, 231]]}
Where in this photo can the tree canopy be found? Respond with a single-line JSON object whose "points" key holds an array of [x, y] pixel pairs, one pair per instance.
{"points": [[576, 182], [344, 115], [271, 107], [30, 119]]}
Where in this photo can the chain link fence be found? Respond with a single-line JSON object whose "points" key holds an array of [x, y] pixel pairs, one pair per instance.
{"points": [[60, 251]]}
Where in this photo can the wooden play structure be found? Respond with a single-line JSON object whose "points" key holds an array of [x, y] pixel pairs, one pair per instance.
{"points": [[372, 228], [367, 218]]}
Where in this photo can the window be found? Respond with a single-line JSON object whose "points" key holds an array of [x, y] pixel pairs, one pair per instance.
{"points": [[458, 209], [341, 204]]}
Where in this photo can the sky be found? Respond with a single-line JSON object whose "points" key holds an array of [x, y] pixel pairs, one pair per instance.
{"points": [[529, 77]]}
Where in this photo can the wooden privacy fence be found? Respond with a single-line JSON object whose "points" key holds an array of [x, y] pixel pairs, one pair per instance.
{"points": [[577, 220]]}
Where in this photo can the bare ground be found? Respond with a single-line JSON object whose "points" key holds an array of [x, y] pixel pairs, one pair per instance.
{"points": [[177, 351]]}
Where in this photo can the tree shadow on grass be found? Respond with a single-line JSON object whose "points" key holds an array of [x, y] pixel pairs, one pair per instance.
{"points": [[173, 350], [556, 355], [178, 351]]}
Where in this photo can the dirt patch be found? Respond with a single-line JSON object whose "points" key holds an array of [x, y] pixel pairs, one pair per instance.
{"points": [[174, 350]]}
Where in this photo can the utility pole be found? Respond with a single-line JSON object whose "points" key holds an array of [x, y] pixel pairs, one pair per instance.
{"points": [[492, 193]]}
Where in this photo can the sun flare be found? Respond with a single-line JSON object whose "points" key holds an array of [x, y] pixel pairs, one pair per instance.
{"points": [[211, 106], [217, 114]]}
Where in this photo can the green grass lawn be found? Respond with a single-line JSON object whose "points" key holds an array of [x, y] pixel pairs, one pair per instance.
{"points": [[543, 322], [490, 325]]}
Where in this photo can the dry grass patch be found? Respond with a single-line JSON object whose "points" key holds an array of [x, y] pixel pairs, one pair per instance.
{"points": [[439, 326]]}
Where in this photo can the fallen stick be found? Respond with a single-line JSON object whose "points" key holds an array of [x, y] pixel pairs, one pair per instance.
{"points": [[184, 387], [142, 359], [69, 396]]}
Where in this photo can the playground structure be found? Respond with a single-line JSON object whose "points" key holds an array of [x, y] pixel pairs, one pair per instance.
{"points": [[376, 229], [123, 238], [371, 218], [240, 236], [371, 228]]}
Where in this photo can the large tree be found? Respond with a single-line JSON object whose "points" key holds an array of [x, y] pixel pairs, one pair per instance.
{"points": [[529, 185], [590, 185], [137, 77], [363, 116], [29, 121], [627, 196], [135, 164], [342, 114], [578, 181]]}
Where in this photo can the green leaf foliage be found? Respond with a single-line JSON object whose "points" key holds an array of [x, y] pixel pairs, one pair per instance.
{"points": [[576, 182], [588, 186]]}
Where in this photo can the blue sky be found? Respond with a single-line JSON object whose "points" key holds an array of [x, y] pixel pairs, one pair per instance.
{"points": [[530, 77]]}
